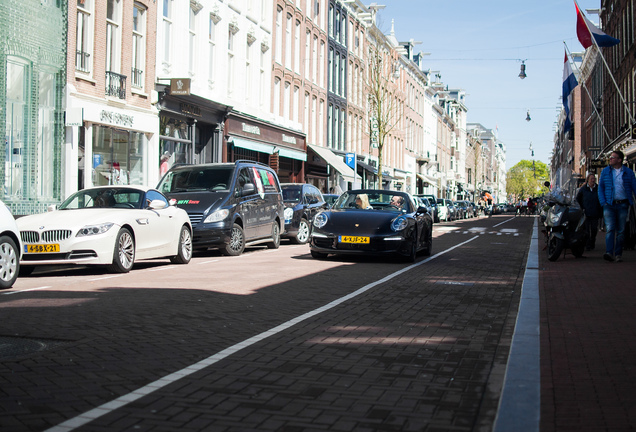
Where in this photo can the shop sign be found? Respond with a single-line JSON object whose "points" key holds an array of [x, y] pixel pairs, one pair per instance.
{"points": [[289, 139], [250, 129], [190, 109], [74, 117], [180, 86], [594, 164], [633, 132], [114, 118]]}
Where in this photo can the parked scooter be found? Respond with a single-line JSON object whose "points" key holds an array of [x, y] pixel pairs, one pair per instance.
{"points": [[565, 226]]}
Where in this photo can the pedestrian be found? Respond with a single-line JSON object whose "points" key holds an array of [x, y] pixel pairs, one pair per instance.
{"points": [[615, 188], [587, 197]]}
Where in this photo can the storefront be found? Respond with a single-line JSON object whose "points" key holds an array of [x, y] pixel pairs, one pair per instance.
{"points": [[253, 139], [32, 80], [328, 171], [108, 145], [191, 128]]}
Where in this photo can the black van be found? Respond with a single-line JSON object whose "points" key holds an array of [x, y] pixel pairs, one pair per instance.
{"points": [[231, 205]]}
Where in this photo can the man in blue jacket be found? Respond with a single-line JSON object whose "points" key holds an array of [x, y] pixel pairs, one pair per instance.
{"points": [[615, 188]]}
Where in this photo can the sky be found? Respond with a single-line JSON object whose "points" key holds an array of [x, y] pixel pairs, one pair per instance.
{"points": [[479, 45]]}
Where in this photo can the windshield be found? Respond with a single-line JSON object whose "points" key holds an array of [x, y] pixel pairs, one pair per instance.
{"points": [[377, 200], [291, 194], [104, 198], [197, 179]]}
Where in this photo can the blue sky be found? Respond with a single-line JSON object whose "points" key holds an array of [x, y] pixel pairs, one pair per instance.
{"points": [[478, 46]]}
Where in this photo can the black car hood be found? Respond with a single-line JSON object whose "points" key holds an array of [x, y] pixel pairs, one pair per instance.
{"points": [[198, 202], [360, 219]]}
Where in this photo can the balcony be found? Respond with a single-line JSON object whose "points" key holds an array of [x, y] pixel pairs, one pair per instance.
{"points": [[137, 78], [115, 85], [82, 61]]}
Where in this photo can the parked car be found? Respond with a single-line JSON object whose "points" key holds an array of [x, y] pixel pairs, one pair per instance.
{"points": [[10, 248], [461, 209], [330, 198], [302, 202], [446, 210], [113, 226], [231, 205], [433, 201], [380, 229]]}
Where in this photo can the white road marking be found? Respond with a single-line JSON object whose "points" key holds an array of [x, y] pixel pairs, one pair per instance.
{"points": [[25, 290], [121, 401]]}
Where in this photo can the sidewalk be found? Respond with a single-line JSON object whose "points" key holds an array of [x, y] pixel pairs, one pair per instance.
{"points": [[588, 341]]}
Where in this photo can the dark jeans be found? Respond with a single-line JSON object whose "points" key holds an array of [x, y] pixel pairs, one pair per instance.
{"points": [[591, 227], [615, 216]]}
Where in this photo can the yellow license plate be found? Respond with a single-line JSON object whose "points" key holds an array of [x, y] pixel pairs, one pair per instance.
{"points": [[353, 239], [42, 248]]}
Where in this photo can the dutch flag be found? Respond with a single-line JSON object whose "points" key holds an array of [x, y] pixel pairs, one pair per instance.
{"points": [[585, 30], [569, 83]]}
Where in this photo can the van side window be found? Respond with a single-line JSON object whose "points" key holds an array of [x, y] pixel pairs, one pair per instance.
{"points": [[242, 179]]}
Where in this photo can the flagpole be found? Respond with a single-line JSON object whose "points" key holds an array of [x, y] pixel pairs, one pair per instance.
{"points": [[588, 93], [618, 90]]}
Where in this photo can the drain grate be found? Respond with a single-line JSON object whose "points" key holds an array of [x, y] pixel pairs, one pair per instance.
{"points": [[15, 347]]}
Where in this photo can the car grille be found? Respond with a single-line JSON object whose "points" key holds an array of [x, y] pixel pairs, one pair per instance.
{"points": [[46, 236], [195, 218]]}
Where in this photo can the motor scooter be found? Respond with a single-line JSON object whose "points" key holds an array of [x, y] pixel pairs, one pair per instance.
{"points": [[565, 227]]}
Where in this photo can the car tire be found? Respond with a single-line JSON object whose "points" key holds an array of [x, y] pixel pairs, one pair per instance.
{"points": [[429, 245], [184, 251], [124, 252], [275, 243], [9, 262], [302, 236], [236, 246], [318, 255], [412, 256]]}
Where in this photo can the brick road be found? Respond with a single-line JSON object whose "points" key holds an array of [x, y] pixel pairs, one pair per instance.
{"points": [[426, 350]]}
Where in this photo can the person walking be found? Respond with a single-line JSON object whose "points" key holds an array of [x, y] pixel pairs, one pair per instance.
{"points": [[615, 188], [587, 197]]}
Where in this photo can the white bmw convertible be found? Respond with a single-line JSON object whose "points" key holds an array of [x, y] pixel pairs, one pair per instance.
{"points": [[107, 225]]}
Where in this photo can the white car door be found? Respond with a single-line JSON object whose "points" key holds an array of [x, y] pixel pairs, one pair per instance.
{"points": [[156, 230]]}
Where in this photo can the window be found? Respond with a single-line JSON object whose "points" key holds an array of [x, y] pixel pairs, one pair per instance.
{"points": [[277, 96], [307, 53], [16, 123], [211, 50], [287, 101], [321, 69], [248, 71], [167, 29], [46, 135], [139, 46], [230, 61], [296, 103], [297, 48], [278, 55], [192, 40], [84, 36], [288, 42], [314, 60], [113, 35]]}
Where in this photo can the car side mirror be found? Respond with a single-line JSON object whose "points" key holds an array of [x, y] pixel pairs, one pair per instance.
{"points": [[421, 209], [157, 204], [248, 189]]}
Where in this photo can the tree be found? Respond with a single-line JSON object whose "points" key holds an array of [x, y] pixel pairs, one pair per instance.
{"points": [[526, 178], [384, 106]]}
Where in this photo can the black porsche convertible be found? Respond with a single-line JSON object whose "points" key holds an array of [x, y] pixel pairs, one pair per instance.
{"points": [[375, 222]]}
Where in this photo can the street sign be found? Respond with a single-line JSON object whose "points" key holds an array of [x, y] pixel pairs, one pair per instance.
{"points": [[350, 160]]}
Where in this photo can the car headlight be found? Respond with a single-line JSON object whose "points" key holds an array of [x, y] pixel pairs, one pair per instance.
{"points": [[399, 223], [288, 213], [320, 220], [89, 230], [217, 216]]}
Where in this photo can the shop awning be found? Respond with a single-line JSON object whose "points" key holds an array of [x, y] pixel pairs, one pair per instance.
{"points": [[368, 167], [335, 161], [269, 148], [427, 179]]}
